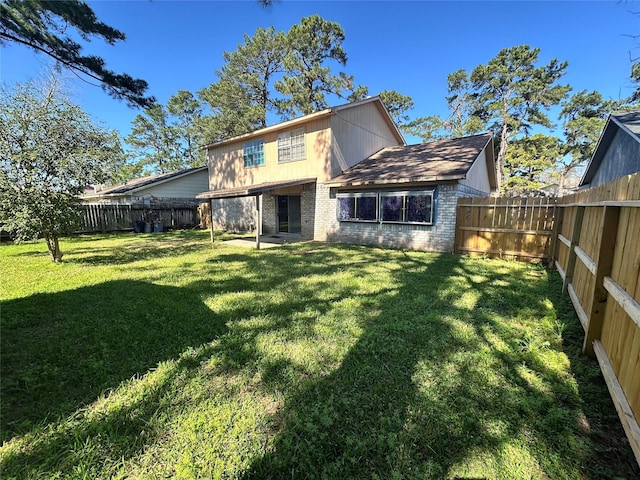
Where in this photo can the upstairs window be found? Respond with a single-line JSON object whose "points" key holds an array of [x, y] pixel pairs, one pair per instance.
{"points": [[291, 146], [253, 153]]}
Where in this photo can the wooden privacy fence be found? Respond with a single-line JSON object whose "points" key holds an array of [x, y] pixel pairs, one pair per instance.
{"points": [[598, 258], [519, 228], [110, 218]]}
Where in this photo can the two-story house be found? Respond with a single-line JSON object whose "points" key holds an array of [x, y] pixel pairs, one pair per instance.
{"points": [[346, 174]]}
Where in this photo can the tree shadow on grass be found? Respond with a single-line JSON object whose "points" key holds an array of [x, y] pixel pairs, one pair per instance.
{"points": [[444, 372], [443, 379], [61, 350]]}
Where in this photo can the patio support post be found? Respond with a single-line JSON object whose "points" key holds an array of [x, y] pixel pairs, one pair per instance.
{"points": [[258, 219], [211, 219]]}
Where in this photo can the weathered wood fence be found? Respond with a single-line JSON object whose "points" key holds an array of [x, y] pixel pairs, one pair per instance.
{"points": [[598, 258], [593, 239], [519, 228], [111, 218]]}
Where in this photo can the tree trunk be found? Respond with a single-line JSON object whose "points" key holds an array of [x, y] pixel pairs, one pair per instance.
{"points": [[54, 248], [502, 151], [563, 174]]}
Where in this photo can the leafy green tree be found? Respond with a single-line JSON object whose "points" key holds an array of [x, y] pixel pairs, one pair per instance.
{"points": [[232, 112], [49, 151], [188, 112], [241, 98], [583, 116], [461, 121], [155, 141], [254, 65], [510, 94], [43, 25], [528, 161], [310, 45]]}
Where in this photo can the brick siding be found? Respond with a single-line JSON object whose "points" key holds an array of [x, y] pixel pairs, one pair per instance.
{"points": [[319, 219]]}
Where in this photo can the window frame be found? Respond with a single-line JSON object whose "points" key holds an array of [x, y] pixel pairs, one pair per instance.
{"points": [[285, 143], [404, 208], [253, 144], [380, 195], [356, 197]]}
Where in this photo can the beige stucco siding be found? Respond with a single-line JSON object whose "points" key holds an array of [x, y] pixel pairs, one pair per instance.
{"points": [[358, 133], [478, 175], [226, 162], [187, 186]]}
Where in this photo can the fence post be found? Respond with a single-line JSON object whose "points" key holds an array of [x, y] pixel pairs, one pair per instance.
{"points": [[558, 217], [604, 263], [575, 240]]}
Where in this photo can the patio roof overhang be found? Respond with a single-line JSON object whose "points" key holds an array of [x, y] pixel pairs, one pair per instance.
{"points": [[256, 189]]}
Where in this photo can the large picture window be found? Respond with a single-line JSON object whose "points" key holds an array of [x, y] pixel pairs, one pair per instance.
{"points": [[387, 207], [253, 153], [291, 146], [362, 207]]}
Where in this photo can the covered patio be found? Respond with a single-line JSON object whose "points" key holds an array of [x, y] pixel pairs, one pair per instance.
{"points": [[293, 213]]}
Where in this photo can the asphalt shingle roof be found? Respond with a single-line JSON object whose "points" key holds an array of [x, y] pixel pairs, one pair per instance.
{"points": [[439, 160]]}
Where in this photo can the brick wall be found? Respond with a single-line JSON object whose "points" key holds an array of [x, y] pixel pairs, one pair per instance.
{"points": [[234, 214], [439, 237], [319, 220]]}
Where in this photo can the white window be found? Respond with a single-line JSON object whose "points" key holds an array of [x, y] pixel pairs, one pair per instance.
{"points": [[291, 146]]}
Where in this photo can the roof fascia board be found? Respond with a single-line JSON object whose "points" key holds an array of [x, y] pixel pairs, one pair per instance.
{"points": [[490, 159], [596, 158], [272, 128], [430, 179], [254, 189], [313, 116], [622, 126]]}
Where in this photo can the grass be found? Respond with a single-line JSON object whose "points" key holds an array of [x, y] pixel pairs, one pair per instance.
{"points": [[162, 356]]}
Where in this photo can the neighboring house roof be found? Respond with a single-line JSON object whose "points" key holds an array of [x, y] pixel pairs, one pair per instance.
{"points": [[255, 189], [315, 116], [133, 186], [628, 122], [441, 160]]}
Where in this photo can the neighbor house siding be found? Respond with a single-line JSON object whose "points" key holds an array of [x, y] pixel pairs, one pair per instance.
{"points": [[358, 133], [621, 158], [182, 187]]}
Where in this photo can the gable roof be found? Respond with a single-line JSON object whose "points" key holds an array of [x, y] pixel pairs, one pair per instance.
{"points": [[441, 160], [315, 116], [628, 122], [133, 186]]}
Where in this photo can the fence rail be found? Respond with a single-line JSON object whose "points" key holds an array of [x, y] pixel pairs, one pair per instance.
{"points": [[593, 239], [111, 218], [505, 227], [598, 257]]}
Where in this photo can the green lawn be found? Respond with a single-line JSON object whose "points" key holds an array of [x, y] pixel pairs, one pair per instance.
{"points": [[162, 356]]}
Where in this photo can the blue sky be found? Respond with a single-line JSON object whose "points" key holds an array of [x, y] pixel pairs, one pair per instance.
{"points": [[409, 46]]}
